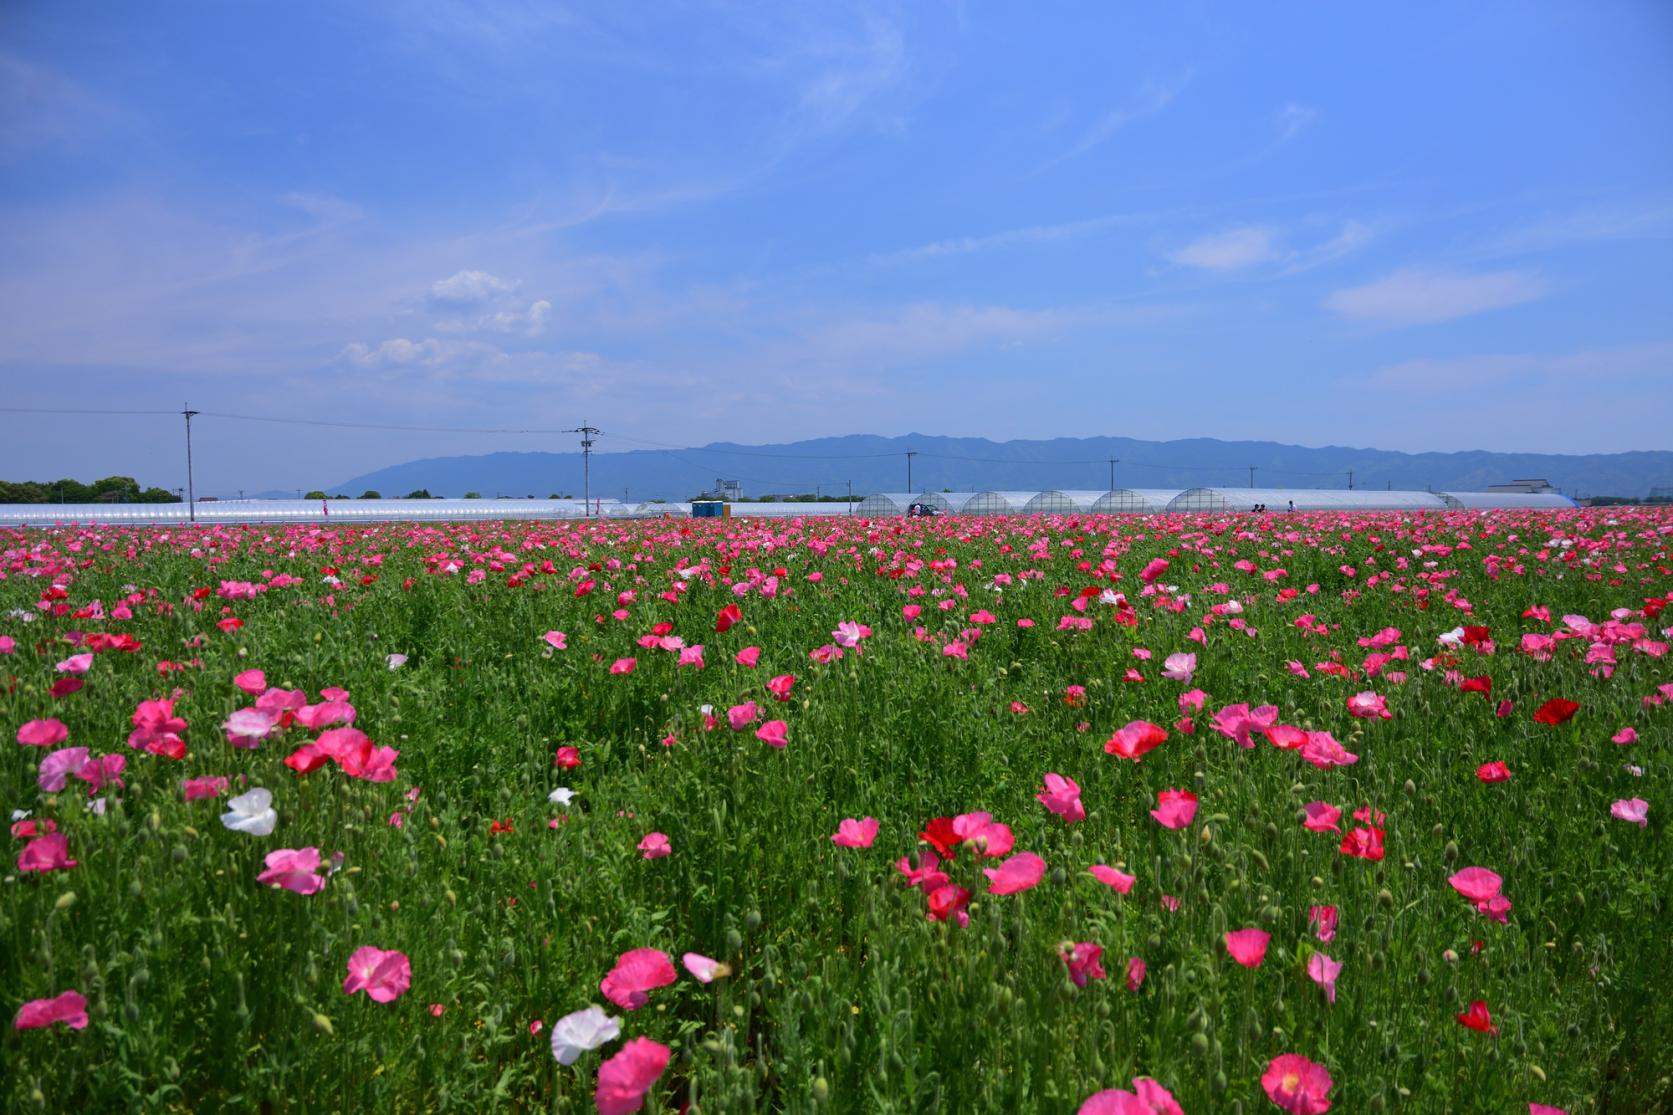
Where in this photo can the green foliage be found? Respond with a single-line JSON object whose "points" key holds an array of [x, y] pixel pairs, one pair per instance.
{"points": [[371, 493], [316, 494], [112, 489]]}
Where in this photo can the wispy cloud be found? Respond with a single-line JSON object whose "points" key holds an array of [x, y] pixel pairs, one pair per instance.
{"points": [[1417, 296], [1152, 98], [1017, 237], [1232, 250], [1485, 370], [1293, 119]]}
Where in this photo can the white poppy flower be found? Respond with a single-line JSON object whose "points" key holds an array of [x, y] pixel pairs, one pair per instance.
{"points": [[396, 661], [575, 1034], [252, 813], [563, 795]]}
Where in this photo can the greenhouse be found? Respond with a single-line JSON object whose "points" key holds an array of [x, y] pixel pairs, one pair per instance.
{"points": [[1226, 500], [996, 503], [1134, 501], [304, 511], [1507, 501]]}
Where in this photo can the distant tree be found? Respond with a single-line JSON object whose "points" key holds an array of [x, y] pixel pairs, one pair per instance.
{"points": [[418, 493], [473, 495], [112, 489], [371, 493], [557, 495], [316, 494]]}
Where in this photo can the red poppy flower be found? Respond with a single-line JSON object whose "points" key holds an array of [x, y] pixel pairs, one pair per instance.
{"points": [[728, 616], [1477, 1018], [1482, 685], [1363, 843], [1556, 711], [939, 832]]}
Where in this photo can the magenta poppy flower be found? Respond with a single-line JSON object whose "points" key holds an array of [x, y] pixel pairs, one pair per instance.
{"points": [[43, 733], [57, 767], [989, 837], [1146, 1098], [1021, 872], [1493, 772], [196, 788], [637, 972], [774, 732], [855, 834], [1297, 1085], [742, 716], [1323, 971], [384, 975], [1632, 810], [1369, 706], [1110, 877], [557, 640], [624, 1079], [1135, 972], [567, 757], [623, 665], [46, 853], [68, 1007], [655, 846], [1544, 1109], [1325, 918], [1322, 751], [1248, 946], [294, 869], [781, 686], [1322, 817], [1175, 809], [1625, 736], [1135, 740], [1062, 796], [1082, 962]]}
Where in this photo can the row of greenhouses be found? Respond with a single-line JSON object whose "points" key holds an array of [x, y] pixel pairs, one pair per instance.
{"points": [[1157, 501]]}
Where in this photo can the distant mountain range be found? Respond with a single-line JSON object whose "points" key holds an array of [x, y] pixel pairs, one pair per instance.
{"points": [[869, 463]]}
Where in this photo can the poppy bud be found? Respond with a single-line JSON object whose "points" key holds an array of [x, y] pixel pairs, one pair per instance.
{"points": [[179, 853], [1219, 1083], [1410, 787], [155, 821], [1058, 876], [1450, 852], [1318, 883], [1450, 956], [821, 1090], [323, 1024], [1200, 779], [1385, 898], [1376, 1103], [1199, 1044], [65, 900], [1424, 976], [734, 940], [752, 920]]}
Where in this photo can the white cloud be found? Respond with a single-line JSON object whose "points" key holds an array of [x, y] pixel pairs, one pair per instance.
{"points": [[470, 288], [1417, 296], [1293, 119], [1153, 97], [399, 352], [855, 71], [1232, 250], [530, 322], [1565, 370]]}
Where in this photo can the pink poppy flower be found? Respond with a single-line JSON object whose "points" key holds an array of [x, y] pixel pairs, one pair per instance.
{"points": [[989, 837], [1248, 946], [774, 732], [781, 685], [1082, 961], [1476, 883], [1062, 796], [75, 664], [43, 733], [1135, 972], [295, 869], [247, 727], [703, 969], [1325, 918], [1110, 877], [691, 656], [1192, 700], [1544, 1109], [1175, 809], [1286, 737], [557, 640], [1323, 971], [384, 975], [637, 972], [1322, 751], [748, 657], [655, 846], [253, 682], [623, 665], [1633, 810], [1369, 706], [196, 788], [1135, 740], [624, 1079], [1179, 667], [855, 834], [1146, 1098], [57, 767], [68, 1007], [1021, 872], [1322, 817], [1152, 570], [46, 853], [1297, 1085], [567, 757], [1493, 772], [742, 716]]}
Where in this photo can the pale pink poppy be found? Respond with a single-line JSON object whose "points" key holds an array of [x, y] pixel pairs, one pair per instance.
{"points": [[294, 869], [637, 972], [1633, 810], [1021, 872], [43, 733], [384, 975], [855, 834], [1248, 946], [1175, 809], [774, 732], [57, 767], [1369, 706], [75, 664], [1297, 1085], [1322, 751], [624, 1079], [655, 846], [704, 969], [247, 727], [1323, 971], [253, 682], [691, 656], [1110, 877], [1179, 667], [68, 1007], [1062, 796], [1625, 736], [1322, 817]]}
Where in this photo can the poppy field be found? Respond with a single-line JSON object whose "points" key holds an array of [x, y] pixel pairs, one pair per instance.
{"points": [[1352, 812]]}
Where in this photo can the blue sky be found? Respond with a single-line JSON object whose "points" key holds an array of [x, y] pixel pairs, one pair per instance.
{"points": [[1428, 226]]}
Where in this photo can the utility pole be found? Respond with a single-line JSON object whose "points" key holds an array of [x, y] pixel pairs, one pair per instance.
{"points": [[191, 495], [850, 497], [1350, 480], [587, 434], [1113, 462], [910, 453], [1252, 476]]}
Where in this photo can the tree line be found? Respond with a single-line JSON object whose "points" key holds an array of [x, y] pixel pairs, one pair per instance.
{"points": [[112, 489]]}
